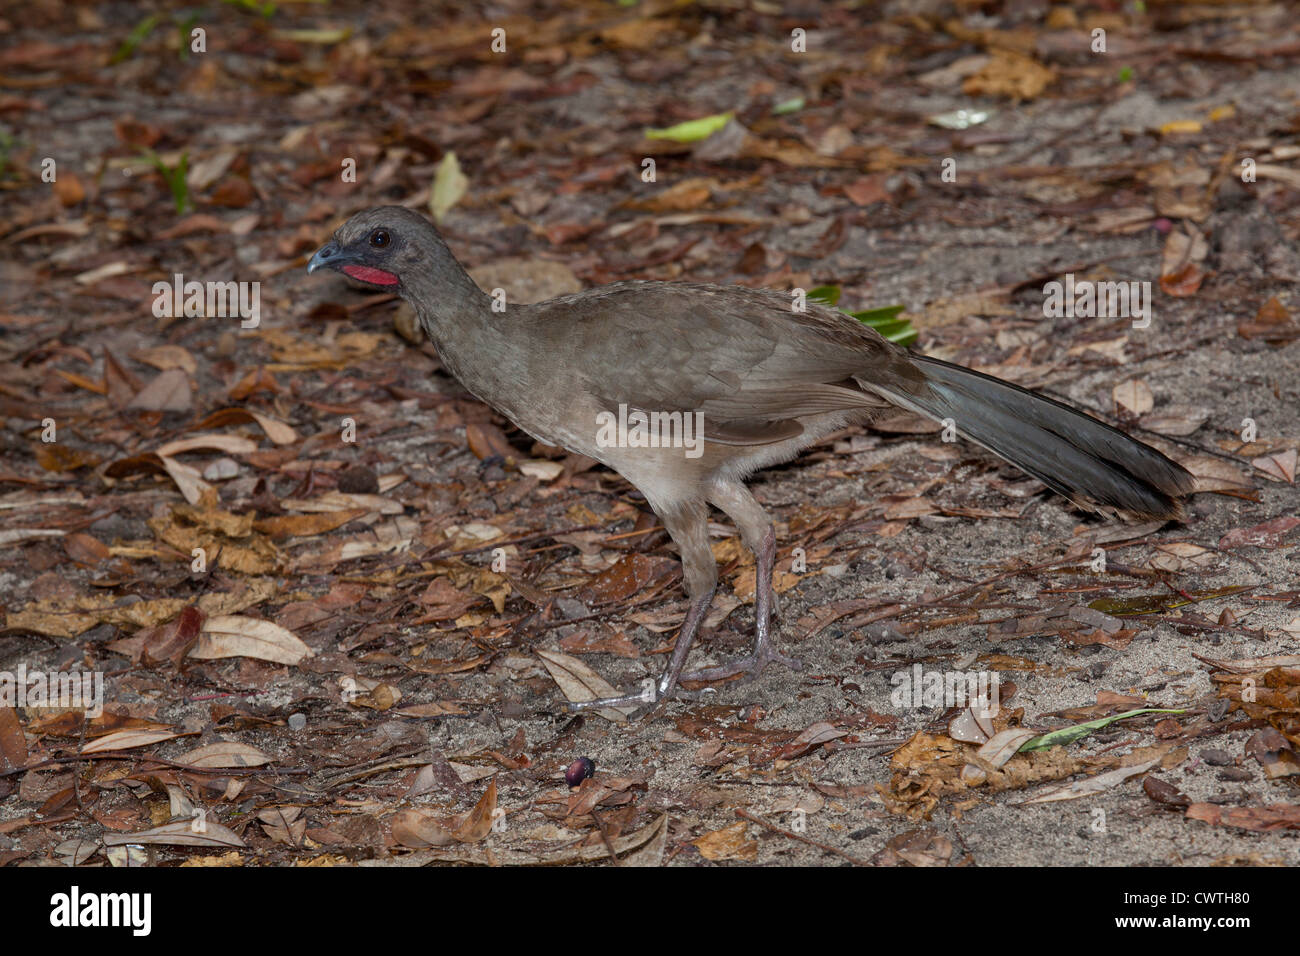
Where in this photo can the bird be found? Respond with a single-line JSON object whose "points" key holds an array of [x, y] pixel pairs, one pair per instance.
{"points": [[765, 375]]}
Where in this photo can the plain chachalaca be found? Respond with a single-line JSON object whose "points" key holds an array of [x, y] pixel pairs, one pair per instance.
{"points": [[768, 379]]}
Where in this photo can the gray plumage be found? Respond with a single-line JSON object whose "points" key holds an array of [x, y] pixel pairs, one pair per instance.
{"points": [[769, 381]]}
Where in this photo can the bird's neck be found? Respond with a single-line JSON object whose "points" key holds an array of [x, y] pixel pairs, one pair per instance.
{"points": [[471, 341]]}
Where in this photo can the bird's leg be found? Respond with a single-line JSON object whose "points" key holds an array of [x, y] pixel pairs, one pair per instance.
{"points": [[689, 529], [757, 532]]}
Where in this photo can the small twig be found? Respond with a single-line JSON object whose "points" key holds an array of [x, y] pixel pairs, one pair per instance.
{"points": [[856, 861]]}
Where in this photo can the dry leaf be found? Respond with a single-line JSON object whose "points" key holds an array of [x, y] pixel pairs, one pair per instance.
{"points": [[730, 843], [1011, 75], [1279, 467], [196, 832], [578, 682], [449, 185], [234, 636], [127, 740], [1133, 397], [1090, 786], [168, 392], [225, 753]]}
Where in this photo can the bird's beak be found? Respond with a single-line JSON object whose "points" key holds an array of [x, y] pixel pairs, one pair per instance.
{"points": [[328, 256]]}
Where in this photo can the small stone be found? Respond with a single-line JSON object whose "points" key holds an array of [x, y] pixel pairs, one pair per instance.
{"points": [[221, 470]]}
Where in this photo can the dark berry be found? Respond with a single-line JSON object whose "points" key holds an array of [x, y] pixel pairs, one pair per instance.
{"points": [[579, 770]]}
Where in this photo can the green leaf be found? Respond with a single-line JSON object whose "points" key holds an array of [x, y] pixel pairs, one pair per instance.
{"points": [[135, 38], [1067, 735], [899, 332], [871, 316], [174, 176], [184, 26], [1125, 74], [829, 294], [7, 142], [692, 130], [885, 320], [265, 10], [793, 105], [449, 185]]}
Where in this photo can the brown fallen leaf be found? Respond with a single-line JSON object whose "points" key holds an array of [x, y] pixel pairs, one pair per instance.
{"points": [[487, 441], [1273, 323], [604, 791], [811, 738], [127, 740], [1276, 816], [168, 392], [1180, 266], [276, 430], [1133, 397], [59, 458], [867, 190], [578, 682], [1274, 753], [235, 636], [633, 575], [85, 549], [1266, 535], [69, 617], [164, 357], [1215, 474], [925, 847], [1011, 75], [478, 822], [1279, 467], [729, 843], [1090, 786], [13, 742], [302, 526], [169, 642], [197, 832], [1165, 793], [225, 753], [684, 196], [418, 828]]}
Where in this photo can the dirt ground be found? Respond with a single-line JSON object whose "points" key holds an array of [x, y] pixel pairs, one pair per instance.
{"points": [[369, 664]]}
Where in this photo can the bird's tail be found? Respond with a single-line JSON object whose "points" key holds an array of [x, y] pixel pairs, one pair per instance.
{"points": [[1088, 461]]}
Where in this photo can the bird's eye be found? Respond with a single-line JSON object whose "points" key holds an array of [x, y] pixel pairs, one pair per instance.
{"points": [[379, 238]]}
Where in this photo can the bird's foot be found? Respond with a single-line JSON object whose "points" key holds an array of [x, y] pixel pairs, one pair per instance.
{"points": [[747, 667]]}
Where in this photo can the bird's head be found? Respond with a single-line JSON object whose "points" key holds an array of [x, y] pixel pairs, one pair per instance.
{"points": [[384, 247]]}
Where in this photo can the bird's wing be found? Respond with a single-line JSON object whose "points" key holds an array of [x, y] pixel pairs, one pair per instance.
{"points": [[743, 357]]}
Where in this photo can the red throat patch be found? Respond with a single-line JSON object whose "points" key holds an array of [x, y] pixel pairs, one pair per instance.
{"points": [[367, 274]]}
